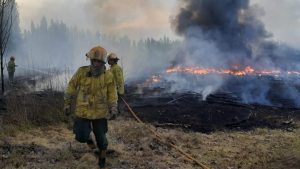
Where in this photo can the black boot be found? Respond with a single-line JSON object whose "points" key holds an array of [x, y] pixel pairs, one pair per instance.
{"points": [[102, 158]]}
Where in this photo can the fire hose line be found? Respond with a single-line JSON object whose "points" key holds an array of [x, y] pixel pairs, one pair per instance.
{"points": [[159, 138]]}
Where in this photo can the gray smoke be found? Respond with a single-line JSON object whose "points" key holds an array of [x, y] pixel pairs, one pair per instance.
{"points": [[233, 27], [225, 33]]}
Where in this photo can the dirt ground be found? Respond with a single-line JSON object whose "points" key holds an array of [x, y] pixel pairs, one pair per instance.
{"points": [[135, 146]]}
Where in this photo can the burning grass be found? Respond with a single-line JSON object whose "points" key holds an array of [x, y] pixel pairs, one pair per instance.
{"points": [[235, 70]]}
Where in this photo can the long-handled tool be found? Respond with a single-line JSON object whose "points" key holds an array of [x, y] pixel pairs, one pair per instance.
{"points": [[159, 138]]}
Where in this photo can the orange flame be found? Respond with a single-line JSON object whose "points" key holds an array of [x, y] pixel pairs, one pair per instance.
{"points": [[154, 79], [236, 70]]}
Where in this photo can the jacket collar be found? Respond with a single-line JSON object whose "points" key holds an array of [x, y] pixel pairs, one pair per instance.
{"points": [[95, 73]]}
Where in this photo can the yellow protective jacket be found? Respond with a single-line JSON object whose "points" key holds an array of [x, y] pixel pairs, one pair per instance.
{"points": [[11, 66], [95, 95], [117, 71]]}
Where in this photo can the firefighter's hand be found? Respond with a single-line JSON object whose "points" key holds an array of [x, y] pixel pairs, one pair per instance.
{"points": [[67, 110], [113, 113], [120, 95], [112, 117]]}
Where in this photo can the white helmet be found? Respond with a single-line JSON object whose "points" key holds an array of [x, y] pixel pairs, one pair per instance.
{"points": [[112, 56], [98, 53]]}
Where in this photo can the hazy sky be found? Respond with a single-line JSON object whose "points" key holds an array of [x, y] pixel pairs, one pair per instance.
{"points": [[282, 18], [136, 18], [143, 18]]}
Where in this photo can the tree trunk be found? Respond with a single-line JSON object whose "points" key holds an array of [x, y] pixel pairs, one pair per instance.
{"points": [[5, 30], [2, 76], [2, 45]]}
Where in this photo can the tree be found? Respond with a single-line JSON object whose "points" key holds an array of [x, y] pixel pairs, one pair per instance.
{"points": [[7, 17]]}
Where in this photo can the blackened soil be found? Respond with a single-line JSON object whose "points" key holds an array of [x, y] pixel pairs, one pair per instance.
{"points": [[188, 111]]}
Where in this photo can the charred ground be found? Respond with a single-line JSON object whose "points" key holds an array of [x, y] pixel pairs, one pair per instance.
{"points": [[221, 131]]}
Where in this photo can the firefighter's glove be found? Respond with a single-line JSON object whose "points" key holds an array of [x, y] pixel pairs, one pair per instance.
{"points": [[120, 96], [113, 113]]}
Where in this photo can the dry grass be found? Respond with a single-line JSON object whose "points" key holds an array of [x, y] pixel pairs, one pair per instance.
{"points": [[137, 148], [37, 138], [35, 108]]}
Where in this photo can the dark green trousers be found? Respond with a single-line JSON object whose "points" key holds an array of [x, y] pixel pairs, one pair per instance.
{"points": [[11, 76], [83, 127]]}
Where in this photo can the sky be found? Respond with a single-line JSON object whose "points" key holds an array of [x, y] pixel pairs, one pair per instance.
{"points": [[282, 19], [149, 18], [135, 18]]}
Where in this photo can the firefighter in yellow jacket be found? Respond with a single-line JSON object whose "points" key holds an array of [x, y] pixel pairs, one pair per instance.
{"points": [[117, 71], [96, 101], [11, 68]]}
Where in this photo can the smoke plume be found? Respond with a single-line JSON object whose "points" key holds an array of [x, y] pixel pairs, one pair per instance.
{"points": [[229, 33], [232, 27]]}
